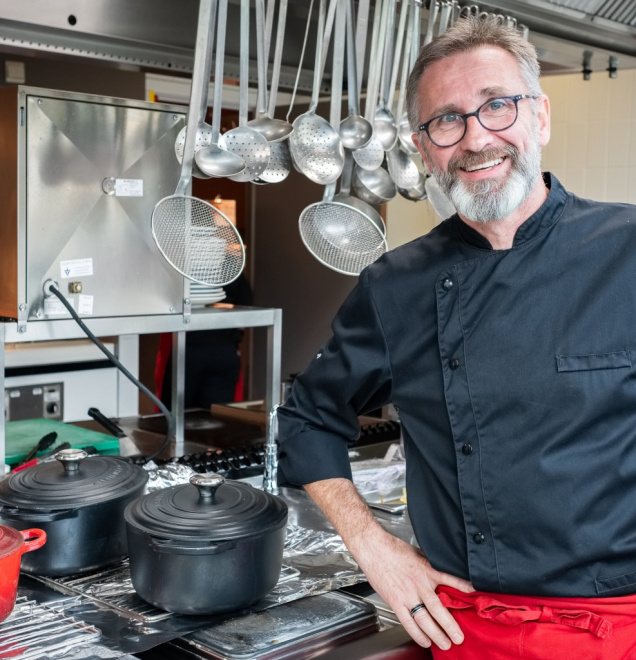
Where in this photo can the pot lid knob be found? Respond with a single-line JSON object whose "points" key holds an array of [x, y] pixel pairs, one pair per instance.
{"points": [[207, 484], [70, 459]]}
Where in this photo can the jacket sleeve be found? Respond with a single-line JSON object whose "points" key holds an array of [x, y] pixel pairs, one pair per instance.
{"points": [[349, 376]]}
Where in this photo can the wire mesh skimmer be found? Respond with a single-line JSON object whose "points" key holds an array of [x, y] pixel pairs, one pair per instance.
{"points": [[198, 240]]}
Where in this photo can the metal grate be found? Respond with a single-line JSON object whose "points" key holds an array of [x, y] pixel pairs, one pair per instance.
{"points": [[35, 630], [111, 588]]}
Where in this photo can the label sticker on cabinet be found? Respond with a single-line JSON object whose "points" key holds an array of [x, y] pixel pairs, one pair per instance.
{"points": [[54, 307], [129, 187], [76, 268], [85, 305]]}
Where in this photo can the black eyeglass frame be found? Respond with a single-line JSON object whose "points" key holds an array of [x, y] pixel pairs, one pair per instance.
{"points": [[516, 98]]}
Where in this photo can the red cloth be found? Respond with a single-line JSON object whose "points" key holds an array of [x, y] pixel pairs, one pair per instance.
{"points": [[503, 627]]}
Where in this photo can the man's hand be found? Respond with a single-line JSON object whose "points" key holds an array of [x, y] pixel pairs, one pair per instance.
{"points": [[397, 571]]}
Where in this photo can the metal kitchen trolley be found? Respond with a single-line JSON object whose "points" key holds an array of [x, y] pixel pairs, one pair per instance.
{"points": [[81, 176]]}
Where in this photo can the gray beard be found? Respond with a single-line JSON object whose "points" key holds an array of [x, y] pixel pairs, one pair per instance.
{"points": [[488, 200]]}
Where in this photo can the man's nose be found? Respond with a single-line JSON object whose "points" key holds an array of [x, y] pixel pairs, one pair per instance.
{"points": [[476, 136]]}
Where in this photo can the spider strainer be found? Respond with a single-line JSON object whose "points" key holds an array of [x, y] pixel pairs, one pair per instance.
{"points": [[340, 237], [198, 240]]}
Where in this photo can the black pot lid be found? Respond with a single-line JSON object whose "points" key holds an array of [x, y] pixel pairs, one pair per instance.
{"points": [[209, 508], [74, 480]]}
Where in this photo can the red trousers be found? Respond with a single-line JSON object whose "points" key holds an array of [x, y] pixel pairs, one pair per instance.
{"points": [[502, 627]]}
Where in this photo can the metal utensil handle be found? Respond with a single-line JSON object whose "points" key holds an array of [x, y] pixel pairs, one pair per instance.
{"points": [[302, 58], [218, 71], [388, 52], [270, 474], [409, 47], [278, 56], [337, 71], [374, 64], [353, 89], [244, 62], [417, 32], [322, 10], [362, 29], [444, 17], [199, 72], [430, 26], [326, 38], [347, 173], [261, 61], [269, 26], [398, 51]]}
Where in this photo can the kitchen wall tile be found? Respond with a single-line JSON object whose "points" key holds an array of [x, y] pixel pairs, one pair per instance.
{"points": [[579, 100], [555, 152], [595, 183], [556, 88], [621, 95], [573, 178], [631, 185], [619, 143], [617, 184], [599, 96], [576, 144], [597, 138]]}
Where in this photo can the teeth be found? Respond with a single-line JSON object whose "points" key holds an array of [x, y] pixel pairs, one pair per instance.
{"points": [[484, 166]]}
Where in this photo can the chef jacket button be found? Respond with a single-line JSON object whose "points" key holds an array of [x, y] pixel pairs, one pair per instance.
{"points": [[467, 449], [453, 363], [447, 284], [478, 537]]}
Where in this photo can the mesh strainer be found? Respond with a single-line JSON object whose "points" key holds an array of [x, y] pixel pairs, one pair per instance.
{"points": [[340, 237], [198, 240]]}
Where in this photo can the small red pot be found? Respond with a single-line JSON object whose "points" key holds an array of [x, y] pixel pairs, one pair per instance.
{"points": [[13, 544]]}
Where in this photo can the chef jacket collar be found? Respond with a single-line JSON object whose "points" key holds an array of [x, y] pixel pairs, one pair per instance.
{"points": [[536, 224]]}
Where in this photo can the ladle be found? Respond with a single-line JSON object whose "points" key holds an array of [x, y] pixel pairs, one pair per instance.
{"points": [[244, 141], [315, 146], [384, 124], [279, 164], [374, 186], [399, 162], [272, 129], [371, 156], [405, 131], [213, 159], [355, 130], [203, 130]]}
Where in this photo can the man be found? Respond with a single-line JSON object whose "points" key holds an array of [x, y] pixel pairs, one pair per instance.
{"points": [[505, 339]]}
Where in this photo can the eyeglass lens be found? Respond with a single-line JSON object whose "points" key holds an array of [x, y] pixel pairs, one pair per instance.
{"points": [[495, 115]]}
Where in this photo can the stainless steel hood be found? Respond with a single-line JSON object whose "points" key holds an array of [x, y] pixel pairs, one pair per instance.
{"points": [[159, 34]]}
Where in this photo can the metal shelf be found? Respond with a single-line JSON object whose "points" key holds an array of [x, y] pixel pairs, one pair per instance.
{"points": [[178, 325]]}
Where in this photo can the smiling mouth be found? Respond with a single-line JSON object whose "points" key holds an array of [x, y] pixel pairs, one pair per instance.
{"points": [[483, 166]]}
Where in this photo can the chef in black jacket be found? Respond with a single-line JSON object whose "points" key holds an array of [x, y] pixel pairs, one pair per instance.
{"points": [[506, 339]]}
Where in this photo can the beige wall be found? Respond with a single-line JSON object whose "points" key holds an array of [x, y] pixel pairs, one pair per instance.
{"points": [[592, 149], [593, 144]]}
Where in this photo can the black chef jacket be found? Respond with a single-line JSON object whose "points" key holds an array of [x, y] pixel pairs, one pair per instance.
{"points": [[513, 374]]}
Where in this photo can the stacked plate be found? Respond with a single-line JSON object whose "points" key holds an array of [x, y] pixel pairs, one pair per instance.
{"points": [[202, 295]]}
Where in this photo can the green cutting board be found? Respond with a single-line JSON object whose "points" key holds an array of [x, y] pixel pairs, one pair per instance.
{"points": [[22, 436]]}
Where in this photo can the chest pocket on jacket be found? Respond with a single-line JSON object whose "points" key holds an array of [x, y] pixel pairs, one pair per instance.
{"points": [[593, 361]]}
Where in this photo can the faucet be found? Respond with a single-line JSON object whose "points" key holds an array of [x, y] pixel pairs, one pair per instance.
{"points": [[270, 475]]}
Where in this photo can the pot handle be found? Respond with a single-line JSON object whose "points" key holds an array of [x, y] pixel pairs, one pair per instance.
{"points": [[12, 513], [33, 539], [169, 546]]}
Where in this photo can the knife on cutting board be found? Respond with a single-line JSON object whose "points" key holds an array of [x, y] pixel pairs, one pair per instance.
{"points": [[126, 445]]}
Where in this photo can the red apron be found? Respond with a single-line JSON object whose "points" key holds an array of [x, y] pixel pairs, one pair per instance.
{"points": [[502, 627]]}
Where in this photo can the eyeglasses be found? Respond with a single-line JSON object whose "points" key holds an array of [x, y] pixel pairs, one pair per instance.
{"points": [[496, 114]]}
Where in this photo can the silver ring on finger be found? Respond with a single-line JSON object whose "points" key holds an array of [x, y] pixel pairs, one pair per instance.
{"points": [[417, 608]]}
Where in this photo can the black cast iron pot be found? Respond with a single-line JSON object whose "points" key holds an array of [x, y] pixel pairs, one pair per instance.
{"points": [[79, 501], [206, 547]]}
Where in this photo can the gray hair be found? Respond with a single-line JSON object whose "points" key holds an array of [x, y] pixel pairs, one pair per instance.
{"points": [[468, 33]]}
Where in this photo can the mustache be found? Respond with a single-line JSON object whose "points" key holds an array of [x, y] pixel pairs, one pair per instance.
{"points": [[475, 158]]}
